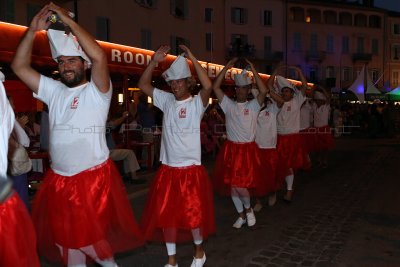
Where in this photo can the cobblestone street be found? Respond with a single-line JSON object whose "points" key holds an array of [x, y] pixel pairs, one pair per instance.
{"points": [[345, 215]]}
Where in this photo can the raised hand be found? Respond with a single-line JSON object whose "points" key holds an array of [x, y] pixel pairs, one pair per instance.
{"points": [[61, 12], [187, 51], [40, 20], [231, 63], [161, 53]]}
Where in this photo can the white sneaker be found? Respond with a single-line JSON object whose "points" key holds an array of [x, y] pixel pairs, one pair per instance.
{"points": [[239, 222], [257, 207], [251, 218], [198, 262], [272, 199]]}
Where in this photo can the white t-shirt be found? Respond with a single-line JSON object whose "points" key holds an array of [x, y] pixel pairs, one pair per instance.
{"points": [[288, 118], [7, 124], [180, 141], [306, 115], [77, 120], [321, 115], [241, 119], [266, 132]]}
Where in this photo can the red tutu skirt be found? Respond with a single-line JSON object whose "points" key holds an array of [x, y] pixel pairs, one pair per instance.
{"points": [[236, 166], [180, 199], [268, 161], [309, 138], [324, 139], [291, 155], [89, 208], [17, 235]]}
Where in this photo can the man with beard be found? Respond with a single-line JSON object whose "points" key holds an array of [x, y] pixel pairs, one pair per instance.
{"points": [[81, 208]]}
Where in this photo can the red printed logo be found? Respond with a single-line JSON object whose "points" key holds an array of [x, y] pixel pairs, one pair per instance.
{"points": [[289, 108], [266, 114], [246, 111], [75, 103], [182, 113]]}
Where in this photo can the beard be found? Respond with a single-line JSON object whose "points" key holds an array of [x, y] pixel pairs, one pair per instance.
{"points": [[75, 80]]}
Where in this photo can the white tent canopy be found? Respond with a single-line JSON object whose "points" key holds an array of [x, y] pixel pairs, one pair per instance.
{"points": [[358, 85]]}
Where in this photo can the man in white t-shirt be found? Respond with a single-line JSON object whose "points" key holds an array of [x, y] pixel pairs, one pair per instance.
{"points": [[291, 151], [179, 206], [17, 234], [324, 139], [79, 210], [266, 139], [235, 172]]}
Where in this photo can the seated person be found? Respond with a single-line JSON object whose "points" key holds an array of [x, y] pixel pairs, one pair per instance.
{"points": [[131, 164]]}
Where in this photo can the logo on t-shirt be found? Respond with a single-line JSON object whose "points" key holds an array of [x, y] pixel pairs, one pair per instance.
{"points": [[289, 108], [75, 103], [266, 113], [182, 113], [246, 111]]}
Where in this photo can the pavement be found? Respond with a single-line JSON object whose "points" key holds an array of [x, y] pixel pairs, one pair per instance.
{"points": [[345, 215]]}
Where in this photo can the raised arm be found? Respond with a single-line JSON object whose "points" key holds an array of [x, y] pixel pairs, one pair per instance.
{"points": [[145, 80], [21, 64], [302, 79], [201, 74], [270, 86], [100, 74], [326, 94], [220, 77], [263, 90]]}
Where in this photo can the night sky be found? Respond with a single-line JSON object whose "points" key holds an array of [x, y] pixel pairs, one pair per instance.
{"points": [[393, 5]]}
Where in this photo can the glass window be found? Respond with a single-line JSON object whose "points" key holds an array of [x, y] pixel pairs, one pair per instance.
{"points": [[208, 14], [395, 78], [396, 28], [360, 45], [347, 74], [329, 44], [375, 47], [345, 19], [396, 52], [345, 44], [313, 42], [297, 41], [239, 15], [374, 21], [175, 42], [267, 18], [179, 8]]}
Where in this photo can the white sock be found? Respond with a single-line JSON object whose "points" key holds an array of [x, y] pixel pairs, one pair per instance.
{"points": [[237, 202], [197, 238], [171, 248], [89, 250], [289, 182]]}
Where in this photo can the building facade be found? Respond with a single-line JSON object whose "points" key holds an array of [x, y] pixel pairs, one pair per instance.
{"points": [[329, 40]]}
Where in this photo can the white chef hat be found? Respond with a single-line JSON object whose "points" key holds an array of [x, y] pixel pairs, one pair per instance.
{"points": [[2, 77], [319, 96], [62, 44], [282, 82], [243, 78], [179, 69]]}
